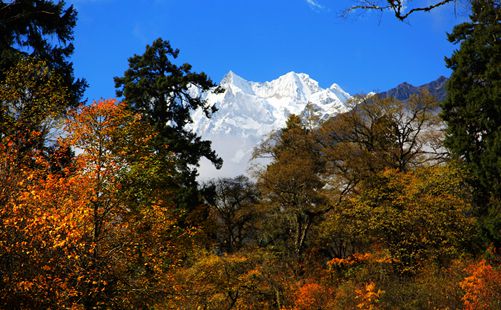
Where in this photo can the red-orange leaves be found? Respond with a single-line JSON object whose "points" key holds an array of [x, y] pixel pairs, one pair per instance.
{"points": [[76, 235], [312, 296], [482, 287], [44, 237], [106, 135]]}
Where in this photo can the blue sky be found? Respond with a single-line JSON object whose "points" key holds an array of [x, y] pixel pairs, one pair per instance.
{"points": [[263, 39]]}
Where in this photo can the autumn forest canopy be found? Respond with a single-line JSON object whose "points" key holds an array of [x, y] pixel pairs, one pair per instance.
{"points": [[395, 204]]}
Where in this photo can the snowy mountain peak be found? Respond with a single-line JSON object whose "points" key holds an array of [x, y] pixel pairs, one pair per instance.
{"points": [[233, 81], [335, 88], [230, 78], [248, 111], [297, 86]]}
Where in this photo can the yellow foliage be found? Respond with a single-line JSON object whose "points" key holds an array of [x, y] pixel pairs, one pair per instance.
{"points": [[358, 258], [368, 296]]}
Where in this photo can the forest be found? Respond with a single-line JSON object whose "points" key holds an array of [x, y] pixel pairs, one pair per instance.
{"points": [[392, 205]]}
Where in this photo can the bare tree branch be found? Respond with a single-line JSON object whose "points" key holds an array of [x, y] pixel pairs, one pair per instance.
{"points": [[398, 7]]}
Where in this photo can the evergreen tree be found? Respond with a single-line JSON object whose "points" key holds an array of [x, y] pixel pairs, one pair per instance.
{"points": [[42, 29], [165, 94], [472, 109]]}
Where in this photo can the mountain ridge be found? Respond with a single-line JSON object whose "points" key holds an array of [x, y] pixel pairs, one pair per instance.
{"points": [[404, 90], [248, 111]]}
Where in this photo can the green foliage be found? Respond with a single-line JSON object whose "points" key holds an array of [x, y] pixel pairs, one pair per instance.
{"points": [[31, 95], [162, 92], [291, 185], [472, 109], [33, 99], [432, 288], [41, 29], [159, 90], [419, 216]]}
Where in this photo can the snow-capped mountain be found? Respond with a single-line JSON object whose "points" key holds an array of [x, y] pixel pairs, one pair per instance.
{"points": [[249, 111]]}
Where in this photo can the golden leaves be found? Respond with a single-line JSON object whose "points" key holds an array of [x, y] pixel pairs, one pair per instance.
{"points": [[360, 258], [72, 234], [368, 297]]}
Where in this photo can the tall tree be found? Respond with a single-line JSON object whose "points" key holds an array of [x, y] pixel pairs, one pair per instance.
{"points": [[292, 185], [31, 96], [472, 108], [42, 29], [233, 212], [131, 223], [165, 94], [377, 134]]}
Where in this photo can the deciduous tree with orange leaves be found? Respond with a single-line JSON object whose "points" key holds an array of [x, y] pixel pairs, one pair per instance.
{"points": [[100, 232], [133, 222]]}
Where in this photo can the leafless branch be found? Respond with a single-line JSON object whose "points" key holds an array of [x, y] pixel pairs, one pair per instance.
{"points": [[398, 7]]}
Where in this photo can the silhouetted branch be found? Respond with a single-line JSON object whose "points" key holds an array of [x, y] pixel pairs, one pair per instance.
{"points": [[398, 7]]}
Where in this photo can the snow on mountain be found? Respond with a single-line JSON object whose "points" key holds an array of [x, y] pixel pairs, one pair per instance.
{"points": [[249, 111]]}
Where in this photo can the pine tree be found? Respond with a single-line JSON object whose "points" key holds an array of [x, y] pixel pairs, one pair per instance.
{"points": [[472, 109], [42, 29], [164, 94]]}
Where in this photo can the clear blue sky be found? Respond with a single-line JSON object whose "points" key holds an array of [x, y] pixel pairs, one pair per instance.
{"points": [[263, 39]]}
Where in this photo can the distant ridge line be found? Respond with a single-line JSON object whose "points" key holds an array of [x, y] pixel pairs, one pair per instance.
{"points": [[404, 90]]}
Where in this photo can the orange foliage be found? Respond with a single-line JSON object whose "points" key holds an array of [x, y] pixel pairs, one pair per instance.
{"points": [[482, 287], [72, 238], [312, 296], [132, 234], [45, 237], [368, 296], [359, 258]]}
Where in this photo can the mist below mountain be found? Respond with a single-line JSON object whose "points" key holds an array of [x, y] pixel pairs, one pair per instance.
{"points": [[249, 111]]}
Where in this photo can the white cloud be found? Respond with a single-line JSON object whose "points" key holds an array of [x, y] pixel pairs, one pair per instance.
{"points": [[314, 4]]}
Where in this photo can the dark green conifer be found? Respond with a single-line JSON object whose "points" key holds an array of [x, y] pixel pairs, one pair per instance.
{"points": [[42, 29], [165, 94], [472, 108]]}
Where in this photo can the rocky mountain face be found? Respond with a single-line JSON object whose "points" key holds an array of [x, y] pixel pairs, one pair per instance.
{"points": [[405, 90]]}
